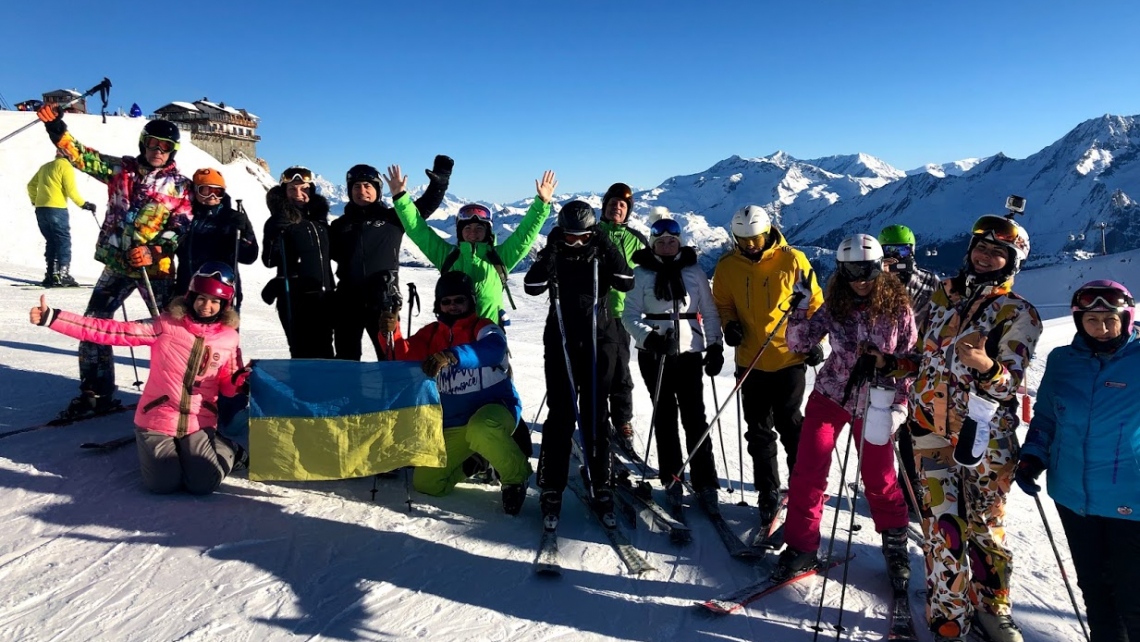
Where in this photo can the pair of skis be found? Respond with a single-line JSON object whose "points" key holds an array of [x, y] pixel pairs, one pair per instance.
{"points": [[62, 421]]}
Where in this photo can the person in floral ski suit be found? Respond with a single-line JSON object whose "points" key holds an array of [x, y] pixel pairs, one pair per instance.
{"points": [[975, 347]]}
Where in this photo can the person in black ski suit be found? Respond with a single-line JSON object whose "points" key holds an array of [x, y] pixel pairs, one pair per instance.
{"points": [[579, 266], [297, 244], [365, 243], [213, 233]]}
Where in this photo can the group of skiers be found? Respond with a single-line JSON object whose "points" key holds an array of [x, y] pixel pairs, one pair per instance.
{"points": [[932, 365]]}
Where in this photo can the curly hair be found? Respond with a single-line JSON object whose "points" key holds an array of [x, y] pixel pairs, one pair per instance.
{"points": [[888, 298]]}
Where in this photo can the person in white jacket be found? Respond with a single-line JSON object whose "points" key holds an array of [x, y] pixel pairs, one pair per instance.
{"points": [[671, 316]]}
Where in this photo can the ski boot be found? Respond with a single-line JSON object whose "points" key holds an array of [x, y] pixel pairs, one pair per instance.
{"points": [[604, 507], [513, 497], [794, 561], [550, 503], [674, 494], [997, 628], [479, 470], [623, 435], [64, 278], [708, 500], [769, 509], [89, 404], [898, 557]]}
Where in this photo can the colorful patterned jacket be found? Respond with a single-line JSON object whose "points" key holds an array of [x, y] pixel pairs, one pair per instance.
{"points": [[144, 207], [1011, 327]]}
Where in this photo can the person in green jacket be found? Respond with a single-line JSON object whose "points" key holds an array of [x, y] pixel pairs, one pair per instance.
{"points": [[48, 191], [477, 255], [617, 206]]}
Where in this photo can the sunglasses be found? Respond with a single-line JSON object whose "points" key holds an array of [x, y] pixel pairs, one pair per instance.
{"points": [[164, 145], [297, 174], [998, 228], [449, 301], [852, 271], [898, 251], [206, 191], [576, 239], [1101, 299], [473, 212], [663, 226]]}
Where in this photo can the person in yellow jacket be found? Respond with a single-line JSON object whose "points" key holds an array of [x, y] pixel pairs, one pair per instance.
{"points": [[751, 289], [48, 191]]}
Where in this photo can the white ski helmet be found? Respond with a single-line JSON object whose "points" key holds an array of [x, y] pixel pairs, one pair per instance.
{"points": [[1003, 231], [750, 221], [859, 258]]}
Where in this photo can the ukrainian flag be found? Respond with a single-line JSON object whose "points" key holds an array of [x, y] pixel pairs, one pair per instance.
{"points": [[317, 419]]}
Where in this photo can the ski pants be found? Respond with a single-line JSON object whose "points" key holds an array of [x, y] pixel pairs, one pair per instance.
{"points": [[963, 519], [307, 324], [589, 386], [1108, 572], [97, 362], [823, 422], [682, 387], [487, 433], [620, 396], [55, 225], [771, 402], [197, 462], [354, 318]]}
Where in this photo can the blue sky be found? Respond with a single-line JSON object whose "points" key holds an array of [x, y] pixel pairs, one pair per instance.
{"points": [[598, 91]]}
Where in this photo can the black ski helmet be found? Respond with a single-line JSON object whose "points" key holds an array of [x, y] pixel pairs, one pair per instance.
{"points": [[576, 217], [363, 174], [452, 284], [160, 128]]}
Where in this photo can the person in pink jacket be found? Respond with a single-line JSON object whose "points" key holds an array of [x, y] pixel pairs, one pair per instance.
{"points": [[195, 356]]}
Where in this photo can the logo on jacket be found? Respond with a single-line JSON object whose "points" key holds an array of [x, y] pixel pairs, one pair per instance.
{"points": [[1124, 510]]}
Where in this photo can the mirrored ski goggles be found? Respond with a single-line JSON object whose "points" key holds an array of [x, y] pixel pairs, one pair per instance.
{"points": [[998, 228], [859, 270], [217, 270], [576, 239], [474, 212], [898, 251], [361, 175], [663, 226], [164, 145], [296, 175], [206, 191], [1101, 299]]}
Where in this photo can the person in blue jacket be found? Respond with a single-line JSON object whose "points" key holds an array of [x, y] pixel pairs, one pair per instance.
{"points": [[1086, 433]]}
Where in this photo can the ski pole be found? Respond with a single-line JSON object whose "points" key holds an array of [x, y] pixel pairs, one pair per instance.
{"points": [[723, 454], [288, 301], [103, 88], [740, 447], [574, 397], [151, 303], [1061, 565], [653, 417], [138, 382], [851, 525], [594, 371]]}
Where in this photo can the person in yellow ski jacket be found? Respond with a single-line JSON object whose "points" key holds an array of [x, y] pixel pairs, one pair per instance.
{"points": [[48, 191]]}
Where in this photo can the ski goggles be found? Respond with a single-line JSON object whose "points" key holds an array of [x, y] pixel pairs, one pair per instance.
{"points": [[449, 301], [474, 212], [1101, 299], [576, 239], [217, 270], [164, 145], [999, 228], [361, 174], [206, 191], [898, 251], [297, 175], [665, 226], [852, 271]]}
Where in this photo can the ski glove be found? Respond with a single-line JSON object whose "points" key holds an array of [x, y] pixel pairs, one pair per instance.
{"points": [[1028, 469], [714, 359], [389, 322], [883, 416], [440, 169], [801, 292], [663, 344], [143, 255], [89, 206], [815, 355], [733, 333], [48, 113], [240, 379], [438, 361]]}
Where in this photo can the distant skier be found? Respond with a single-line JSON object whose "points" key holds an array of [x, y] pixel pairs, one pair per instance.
{"points": [[467, 354], [1086, 433], [49, 190], [365, 243], [195, 356], [578, 267], [148, 210], [216, 232]]}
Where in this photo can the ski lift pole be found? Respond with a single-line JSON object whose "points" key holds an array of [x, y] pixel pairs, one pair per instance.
{"points": [[102, 88]]}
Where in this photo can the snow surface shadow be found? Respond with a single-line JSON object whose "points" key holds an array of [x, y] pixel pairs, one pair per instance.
{"points": [[330, 565], [31, 397], [120, 359]]}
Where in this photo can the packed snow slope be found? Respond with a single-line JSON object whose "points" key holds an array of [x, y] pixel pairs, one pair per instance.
{"points": [[86, 554]]}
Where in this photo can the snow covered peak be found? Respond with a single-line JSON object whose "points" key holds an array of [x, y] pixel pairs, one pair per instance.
{"points": [[860, 165], [953, 168]]}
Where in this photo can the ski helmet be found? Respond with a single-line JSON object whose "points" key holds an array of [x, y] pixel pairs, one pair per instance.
{"points": [[209, 176], [662, 223], [859, 258], [896, 235], [622, 192], [577, 217], [454, 283], [1005, 232], [215, 279], [363, 174], [163, 130], [750, 221], [1107, 296], [474, 213]]}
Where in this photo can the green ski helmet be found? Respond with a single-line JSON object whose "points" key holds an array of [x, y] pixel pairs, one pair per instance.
{"points": [[896, 235]]}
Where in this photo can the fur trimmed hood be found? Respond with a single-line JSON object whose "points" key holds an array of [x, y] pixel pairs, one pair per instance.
{"points": [[180, 309]]}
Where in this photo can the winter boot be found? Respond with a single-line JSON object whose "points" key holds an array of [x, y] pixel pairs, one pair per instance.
{"points": [[708, 501], [794, 561], [64, 278], [623, 434], [898, 558], [513, 497], [997, 628], [604, 507], [550, 503]]}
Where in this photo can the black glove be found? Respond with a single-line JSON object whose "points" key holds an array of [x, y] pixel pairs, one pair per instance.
{"points": [[814, 356], [714, 359], [89, 206], [440, 169], [663, 344], [56, 129], [733, 333], [1029, 468]]}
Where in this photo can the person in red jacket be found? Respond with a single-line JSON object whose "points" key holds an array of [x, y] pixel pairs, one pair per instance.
{"points": [[195, 356], [467, 355]]}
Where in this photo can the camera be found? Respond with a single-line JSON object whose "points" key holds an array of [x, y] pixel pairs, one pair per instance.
{"points": [[1015, 204]]}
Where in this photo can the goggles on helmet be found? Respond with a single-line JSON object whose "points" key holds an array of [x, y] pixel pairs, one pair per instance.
{"points": [[217, 270], [852, 271], [576, 239], [663, 226], [474, 212], [998, 228], [206, 191], [1101, 299], [297, 174], [898, 251], [164, 145], [359, 174]]}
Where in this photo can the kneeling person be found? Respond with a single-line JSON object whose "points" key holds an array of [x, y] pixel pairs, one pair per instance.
{"points": [[467, 354]]}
